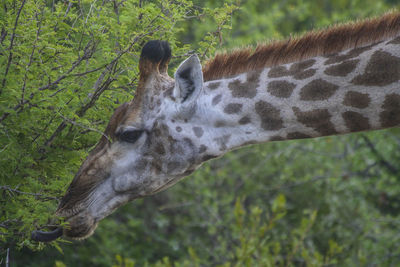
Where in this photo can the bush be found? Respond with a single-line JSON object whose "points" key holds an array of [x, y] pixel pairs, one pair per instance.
{"points": [[66, 65]]}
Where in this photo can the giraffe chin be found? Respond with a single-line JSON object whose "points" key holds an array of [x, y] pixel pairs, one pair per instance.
{"points": [[80, 226]]}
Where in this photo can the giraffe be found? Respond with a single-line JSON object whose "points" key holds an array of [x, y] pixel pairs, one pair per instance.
{"points": [[340, 80]]}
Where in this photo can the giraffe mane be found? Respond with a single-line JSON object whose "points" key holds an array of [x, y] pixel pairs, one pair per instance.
{"points": [[314, 43]]}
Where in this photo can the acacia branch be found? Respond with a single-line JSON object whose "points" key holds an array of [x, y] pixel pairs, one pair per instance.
{"points": [[81, 112], [68, 8], [78, 75], [88, 52], [392, 169], [73, 122], [10, 56], [3, 35], [39, 26], [6, 224], [37, 195]]}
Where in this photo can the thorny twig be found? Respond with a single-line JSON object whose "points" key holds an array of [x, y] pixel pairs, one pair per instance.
{"points": [[392, 169], [37, 195], [10, 56], [88, 52], [5, 224], [84, 127]]}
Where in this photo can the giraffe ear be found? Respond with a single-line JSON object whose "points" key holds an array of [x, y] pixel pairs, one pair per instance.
{"points": [[188, 79]]}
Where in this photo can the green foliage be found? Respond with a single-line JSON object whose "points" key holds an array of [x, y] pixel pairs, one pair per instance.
{"points": [[260, 21], [324, 202], [65, 66]]}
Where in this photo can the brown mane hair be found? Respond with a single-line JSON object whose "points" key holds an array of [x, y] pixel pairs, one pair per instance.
{"points": [[311, 44]]}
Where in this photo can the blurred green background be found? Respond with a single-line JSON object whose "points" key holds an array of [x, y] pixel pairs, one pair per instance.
{"points": [[65, 66]]}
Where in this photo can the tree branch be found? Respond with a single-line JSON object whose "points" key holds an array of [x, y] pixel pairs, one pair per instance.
{"points": [[88, 52], [3, 35], [39, 26], [37, 195], [392, 169], [10, 56], [84, 126]]}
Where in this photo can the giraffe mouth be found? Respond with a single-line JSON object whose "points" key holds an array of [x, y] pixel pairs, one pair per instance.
{"points": [[48, 236], [80, 226]]}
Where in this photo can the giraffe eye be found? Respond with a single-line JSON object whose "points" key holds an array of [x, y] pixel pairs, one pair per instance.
{"points": [[130, 136]]}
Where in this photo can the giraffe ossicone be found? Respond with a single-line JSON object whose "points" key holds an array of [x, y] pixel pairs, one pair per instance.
{"points": [[345, 80]]}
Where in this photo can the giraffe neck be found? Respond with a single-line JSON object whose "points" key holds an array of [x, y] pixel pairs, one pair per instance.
{"points": [[350, 91]]}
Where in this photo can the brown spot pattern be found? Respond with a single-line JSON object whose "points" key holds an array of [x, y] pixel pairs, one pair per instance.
{"points": [[390, 116], [276, 138], [233, 108], [305, 74], [216, 100], [355, 122], [269, 116], [299, 66], [208, 157], [318, 119], [164, 128], [318, 90], [172, 166], [247, 89], [159, 149], [343, 69], [335, 58], [222, 141], [219, 124], [244, 120], [278, 71], [213, 86], [297, 135], [202, 149], [282, 89], [382, 69], [198, 131], [357, 100], [297, 70]]}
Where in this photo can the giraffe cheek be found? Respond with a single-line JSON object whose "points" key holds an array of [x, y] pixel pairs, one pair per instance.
{"points": [[123, 183], [128, 182]]}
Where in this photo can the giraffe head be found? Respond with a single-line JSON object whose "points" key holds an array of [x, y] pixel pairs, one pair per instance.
{"points": [[139, 154]]}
